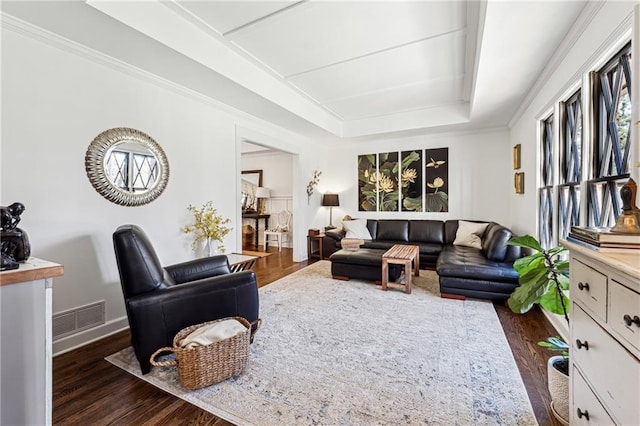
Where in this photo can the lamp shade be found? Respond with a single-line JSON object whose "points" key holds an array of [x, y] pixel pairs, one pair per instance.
{"points": [[330, 200], [263, 192]]}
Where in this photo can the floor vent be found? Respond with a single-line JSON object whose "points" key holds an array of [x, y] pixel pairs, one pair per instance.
{"points": [[78, 319]]}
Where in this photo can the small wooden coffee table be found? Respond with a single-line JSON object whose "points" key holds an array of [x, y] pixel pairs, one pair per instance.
{"points": [[401, 254]]}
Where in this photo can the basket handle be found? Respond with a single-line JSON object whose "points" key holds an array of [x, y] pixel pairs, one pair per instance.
{"points": [[258, 324], [162, 363]]}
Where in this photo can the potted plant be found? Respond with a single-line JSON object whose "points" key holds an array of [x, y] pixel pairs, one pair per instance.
{"points": [[544, 280], [207, 227]]}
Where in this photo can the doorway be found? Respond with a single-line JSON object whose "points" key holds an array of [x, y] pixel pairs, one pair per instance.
{"points": [[268, 203]]}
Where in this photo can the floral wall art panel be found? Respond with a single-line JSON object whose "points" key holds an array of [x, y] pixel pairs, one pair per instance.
{"points": [[437, 180], [367, 183], [388, 191], [411, 180]]}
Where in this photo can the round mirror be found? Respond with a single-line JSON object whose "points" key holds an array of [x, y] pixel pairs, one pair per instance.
{"points": [[126, 166]]}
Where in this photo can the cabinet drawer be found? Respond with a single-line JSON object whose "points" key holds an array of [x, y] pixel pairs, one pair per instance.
{"points": [[612, 371], [593, 294], [624, 302], [585, 401]]}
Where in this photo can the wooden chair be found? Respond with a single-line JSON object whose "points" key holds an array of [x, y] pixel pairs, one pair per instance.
{"points": [[281, 231]]}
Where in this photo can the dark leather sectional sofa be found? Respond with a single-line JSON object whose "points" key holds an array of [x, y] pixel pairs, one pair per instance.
{"points": [[485, 273]]}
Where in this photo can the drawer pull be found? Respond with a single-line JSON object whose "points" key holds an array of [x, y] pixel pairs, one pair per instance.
{"points": [[582, 414], [628, 320], [580, 345], [584, 286]]}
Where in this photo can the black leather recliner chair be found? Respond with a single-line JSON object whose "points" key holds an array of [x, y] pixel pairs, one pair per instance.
{"points": [[162, 301]]}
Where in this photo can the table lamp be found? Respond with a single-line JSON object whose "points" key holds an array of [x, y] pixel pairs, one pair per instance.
{"points": [[331, 201], [261, 194]]}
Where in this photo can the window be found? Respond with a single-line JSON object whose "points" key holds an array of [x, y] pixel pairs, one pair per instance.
{"points": [[131, 171], [613, 139], [570, 164], [565, 186], [546, 191]]}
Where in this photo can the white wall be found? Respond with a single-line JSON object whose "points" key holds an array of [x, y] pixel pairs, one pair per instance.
{"points": [[277, 171], [608, 31], [54, 102], [480, 176]]}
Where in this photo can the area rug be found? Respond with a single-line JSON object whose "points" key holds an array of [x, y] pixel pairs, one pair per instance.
{"points": [[345, 352], [255, 253]]}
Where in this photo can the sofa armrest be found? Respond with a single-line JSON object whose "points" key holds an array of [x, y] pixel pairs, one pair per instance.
{"points": [[199, 269], [331, 242], [336, 234]]}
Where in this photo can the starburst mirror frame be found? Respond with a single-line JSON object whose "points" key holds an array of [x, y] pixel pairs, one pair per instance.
{"points": [[152, 173]]}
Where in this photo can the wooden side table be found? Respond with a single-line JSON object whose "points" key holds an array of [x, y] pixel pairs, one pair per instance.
{"points": [[257, 217], [240, 262], [401, 254], [311, 251]]}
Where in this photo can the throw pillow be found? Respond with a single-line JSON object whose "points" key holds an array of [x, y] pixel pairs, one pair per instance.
{"points": [[470, 234], [357, 228]]}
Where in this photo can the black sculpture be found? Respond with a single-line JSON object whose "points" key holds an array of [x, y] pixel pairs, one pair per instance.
{"points": [[14, 241]]}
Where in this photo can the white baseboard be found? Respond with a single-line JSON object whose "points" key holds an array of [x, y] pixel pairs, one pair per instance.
{"points": [[559, 323], [83, 338]]}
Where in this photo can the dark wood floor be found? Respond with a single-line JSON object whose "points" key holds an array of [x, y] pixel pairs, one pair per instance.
{"points": [[89, 390]]}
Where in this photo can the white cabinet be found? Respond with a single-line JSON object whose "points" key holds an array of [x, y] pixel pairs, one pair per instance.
{"points": [[605, 337], [25, 345]]}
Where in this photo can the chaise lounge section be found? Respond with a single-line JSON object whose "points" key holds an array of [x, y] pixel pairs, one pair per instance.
{"points": [[484, 271]]}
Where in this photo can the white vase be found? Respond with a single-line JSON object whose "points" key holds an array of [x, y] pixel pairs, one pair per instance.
{"points": [[210, 247], [559, 391]]}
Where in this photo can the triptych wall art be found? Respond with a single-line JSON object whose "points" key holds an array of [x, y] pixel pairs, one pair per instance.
{"points": [[405, 181]]}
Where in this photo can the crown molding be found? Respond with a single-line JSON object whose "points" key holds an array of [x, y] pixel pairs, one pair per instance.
{"points": [[615, 41], [587, 15], [47, 37]]}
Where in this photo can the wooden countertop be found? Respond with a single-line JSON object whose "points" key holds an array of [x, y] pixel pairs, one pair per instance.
{"points": [[627, 263], [31, 270]]}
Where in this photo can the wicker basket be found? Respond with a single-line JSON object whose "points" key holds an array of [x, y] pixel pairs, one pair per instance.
{"points": [[205, 365]]}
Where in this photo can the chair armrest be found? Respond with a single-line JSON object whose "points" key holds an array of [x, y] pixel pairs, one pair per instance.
{"points": [[159, 315], [199, 269], [198, 288]]}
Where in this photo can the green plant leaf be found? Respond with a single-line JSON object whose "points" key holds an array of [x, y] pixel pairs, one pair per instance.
{"points": [[556, 250], [543, 278], [564, 282], [526, 241], [552, 301], [562, 267], [522, 300], [526, 295], [534, 277], [556, 344], [527, 263]]}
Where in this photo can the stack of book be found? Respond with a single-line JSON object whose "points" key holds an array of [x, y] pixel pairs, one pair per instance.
{"points": [[603, 239]]}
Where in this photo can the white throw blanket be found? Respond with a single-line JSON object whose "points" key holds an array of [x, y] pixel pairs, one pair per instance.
{"points": [[213, 333]]}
